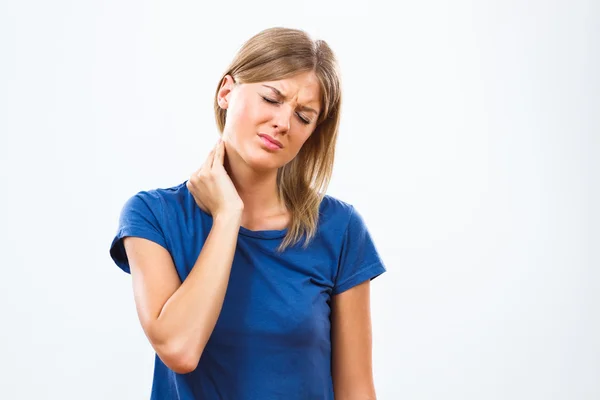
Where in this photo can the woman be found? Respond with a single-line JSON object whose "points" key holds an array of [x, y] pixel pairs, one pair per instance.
{"points": [[235, 304]]}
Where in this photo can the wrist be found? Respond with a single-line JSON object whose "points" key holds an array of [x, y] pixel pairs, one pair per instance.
{"points": [[229, 217]]}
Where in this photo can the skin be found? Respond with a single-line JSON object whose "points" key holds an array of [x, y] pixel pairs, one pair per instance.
{"points": [[237, 185], [253, 171], [252, 167]]}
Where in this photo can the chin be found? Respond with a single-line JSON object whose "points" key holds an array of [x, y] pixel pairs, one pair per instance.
{"points": [[263, 162], [264, 165], [260, 159]]}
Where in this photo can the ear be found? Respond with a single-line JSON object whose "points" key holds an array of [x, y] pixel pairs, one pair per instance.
{"points": [[223, 96]]}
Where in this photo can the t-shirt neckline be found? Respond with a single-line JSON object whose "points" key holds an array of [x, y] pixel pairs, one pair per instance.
{"points": [[266, 234]]}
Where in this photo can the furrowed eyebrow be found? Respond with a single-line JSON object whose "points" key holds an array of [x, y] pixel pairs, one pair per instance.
{"points": [[303, 108]]}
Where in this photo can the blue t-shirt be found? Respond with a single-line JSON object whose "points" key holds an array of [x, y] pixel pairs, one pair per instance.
{"points": [[272, 338]]}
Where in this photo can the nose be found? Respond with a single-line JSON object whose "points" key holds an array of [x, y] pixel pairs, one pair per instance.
{"points": [[281, 119]]}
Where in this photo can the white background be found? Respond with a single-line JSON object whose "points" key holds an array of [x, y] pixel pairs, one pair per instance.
{"points": [[469, 143]]}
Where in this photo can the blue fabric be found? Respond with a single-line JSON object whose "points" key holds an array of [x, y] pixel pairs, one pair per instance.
{"points": [[272, 337]]}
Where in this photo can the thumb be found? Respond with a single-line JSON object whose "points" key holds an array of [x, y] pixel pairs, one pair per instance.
{"points": [[220, 153]]}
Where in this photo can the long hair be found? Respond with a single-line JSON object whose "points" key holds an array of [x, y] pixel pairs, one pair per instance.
{"points": [[278, 53]]}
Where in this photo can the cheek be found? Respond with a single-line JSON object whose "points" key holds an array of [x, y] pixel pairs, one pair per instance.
{"points": [[295, 144], [301, 139], [245, 116]]}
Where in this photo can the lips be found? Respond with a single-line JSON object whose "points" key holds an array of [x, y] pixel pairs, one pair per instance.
{"points": [[270, 139]]}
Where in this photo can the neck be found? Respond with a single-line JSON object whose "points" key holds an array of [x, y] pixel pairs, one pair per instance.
{"points": [[257, 189]]}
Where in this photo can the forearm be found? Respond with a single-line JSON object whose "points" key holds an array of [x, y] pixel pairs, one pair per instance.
{"points": [[188, 318]]}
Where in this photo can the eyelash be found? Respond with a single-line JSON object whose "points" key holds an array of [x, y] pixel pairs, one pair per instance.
{"points": [[304, 121]]}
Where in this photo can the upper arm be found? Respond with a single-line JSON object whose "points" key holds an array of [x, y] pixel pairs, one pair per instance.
{"points": [[154, 280], [140, 248], [351, 343]]}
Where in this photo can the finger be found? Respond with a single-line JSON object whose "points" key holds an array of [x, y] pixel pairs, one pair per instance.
{"points": [[201, 204], [209, 160], [219, 154]]}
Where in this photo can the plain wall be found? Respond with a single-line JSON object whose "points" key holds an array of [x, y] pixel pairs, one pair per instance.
{"points": [[469, 143]]}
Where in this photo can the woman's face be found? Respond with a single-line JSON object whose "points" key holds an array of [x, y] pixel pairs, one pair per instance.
{"points": [[285, 110]]}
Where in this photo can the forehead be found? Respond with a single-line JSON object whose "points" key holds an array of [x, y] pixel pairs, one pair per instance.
{"points": [[303, 88]]}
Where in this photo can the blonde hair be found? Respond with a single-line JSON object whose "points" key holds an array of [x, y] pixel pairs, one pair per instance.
{"points": [[278, 53]]}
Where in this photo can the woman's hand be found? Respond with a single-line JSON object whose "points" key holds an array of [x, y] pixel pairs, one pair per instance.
{"points": [[212, 187]]}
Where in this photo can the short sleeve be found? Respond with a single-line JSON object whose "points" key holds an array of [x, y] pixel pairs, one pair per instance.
{"points": [[359, 258], [141, 216]]}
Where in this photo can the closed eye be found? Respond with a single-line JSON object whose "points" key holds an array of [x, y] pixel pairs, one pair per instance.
{"points": [[271, 101]]}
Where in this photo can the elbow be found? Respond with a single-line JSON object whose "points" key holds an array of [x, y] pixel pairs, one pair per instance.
{"points": [[178, 355], [179, 363], [180, 359]]}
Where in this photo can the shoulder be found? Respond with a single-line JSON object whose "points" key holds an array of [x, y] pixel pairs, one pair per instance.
{"points": [[342, 217], [158, 200], [172, 195], [165, 195], [335, 213], [334, 205]]}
